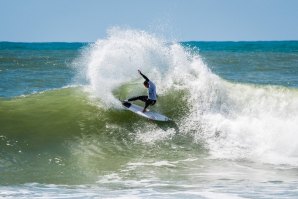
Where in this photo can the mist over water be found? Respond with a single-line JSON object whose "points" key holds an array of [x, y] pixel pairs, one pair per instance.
{"points": [[225, 135]]}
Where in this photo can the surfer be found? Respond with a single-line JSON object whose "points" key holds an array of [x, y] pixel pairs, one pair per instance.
{"points": [[149, 99]]}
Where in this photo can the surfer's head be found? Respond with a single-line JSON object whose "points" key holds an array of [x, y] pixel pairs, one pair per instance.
{"points": [[146, 84]]}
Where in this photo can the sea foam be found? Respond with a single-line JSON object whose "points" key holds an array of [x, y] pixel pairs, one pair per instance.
{"points": [[234, 121]]}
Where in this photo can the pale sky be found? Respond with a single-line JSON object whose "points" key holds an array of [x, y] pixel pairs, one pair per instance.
{"points": [[182, 20]]}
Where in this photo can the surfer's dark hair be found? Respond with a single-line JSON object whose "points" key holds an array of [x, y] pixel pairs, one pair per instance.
{"points": [[146, 82]]}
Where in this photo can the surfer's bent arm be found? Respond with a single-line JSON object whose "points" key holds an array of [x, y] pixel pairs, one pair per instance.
{"points": [[146, 78]]}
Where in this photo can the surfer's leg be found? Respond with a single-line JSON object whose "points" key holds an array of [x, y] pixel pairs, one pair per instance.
{"points": [[149, 102], [153, 102], [142, 98]]}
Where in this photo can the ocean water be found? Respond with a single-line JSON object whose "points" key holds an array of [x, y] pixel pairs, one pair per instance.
{"points": [[64, 134]]}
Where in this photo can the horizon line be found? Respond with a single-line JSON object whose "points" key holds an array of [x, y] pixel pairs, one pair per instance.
{"points": [[178, 41]]}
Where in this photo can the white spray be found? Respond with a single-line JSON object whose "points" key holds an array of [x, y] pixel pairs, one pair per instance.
{"points": [[234, 120]]}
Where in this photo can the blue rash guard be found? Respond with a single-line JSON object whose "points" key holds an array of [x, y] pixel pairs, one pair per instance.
{"points": [[152, 91]]}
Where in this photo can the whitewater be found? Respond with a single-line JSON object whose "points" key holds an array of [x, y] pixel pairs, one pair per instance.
{"points": [[232, 136], [237, 121]]}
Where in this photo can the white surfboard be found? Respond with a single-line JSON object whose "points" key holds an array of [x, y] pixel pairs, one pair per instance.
{"points": [[149, 114]]}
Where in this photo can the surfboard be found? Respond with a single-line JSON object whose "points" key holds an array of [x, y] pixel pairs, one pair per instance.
{"points": [[149, 114]]}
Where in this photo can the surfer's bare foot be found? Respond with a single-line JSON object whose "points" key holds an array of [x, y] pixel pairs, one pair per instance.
{"points": [[145, 110]]}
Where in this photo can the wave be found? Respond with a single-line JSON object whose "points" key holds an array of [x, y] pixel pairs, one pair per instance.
{"points": [[235, 121], [85, 127]]}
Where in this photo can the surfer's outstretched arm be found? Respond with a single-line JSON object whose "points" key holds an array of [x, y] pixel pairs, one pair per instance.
{"points": [[146, 78]]}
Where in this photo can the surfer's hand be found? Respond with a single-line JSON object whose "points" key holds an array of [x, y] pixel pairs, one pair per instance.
{"points": [[139, 71]]}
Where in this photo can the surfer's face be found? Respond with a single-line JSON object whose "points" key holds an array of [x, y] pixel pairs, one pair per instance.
{"points": [[146, 85]]}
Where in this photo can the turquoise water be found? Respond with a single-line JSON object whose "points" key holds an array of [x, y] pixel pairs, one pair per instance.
{"points": [[268, 63], [41, 66], [33, 67], [234, 107]]}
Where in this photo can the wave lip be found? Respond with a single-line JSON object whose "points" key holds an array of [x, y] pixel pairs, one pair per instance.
{"points": [[115, 60]]}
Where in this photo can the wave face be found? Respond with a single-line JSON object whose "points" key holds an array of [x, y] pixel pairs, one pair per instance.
{"points": [[80, 134], [234, 121]]}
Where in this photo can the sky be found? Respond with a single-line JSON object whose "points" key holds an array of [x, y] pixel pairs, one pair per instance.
{"points": [[180, 20]]}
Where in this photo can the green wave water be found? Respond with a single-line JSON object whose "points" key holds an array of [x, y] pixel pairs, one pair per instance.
{"points": [[61, 136]]}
